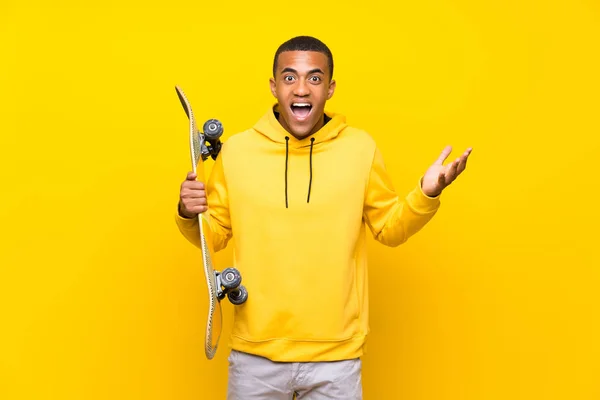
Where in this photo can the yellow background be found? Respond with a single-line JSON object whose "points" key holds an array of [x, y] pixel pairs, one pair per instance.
{"points": [[100, 296]]}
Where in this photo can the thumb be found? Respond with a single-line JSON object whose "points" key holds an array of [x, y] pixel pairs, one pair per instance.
{"points": [[191, 176]]}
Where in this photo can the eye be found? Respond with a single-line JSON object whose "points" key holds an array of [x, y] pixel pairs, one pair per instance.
{"points": [[288, 78], [315, 78]]}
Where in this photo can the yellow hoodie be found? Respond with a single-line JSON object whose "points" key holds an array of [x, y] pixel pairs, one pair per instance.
{"points": [[297, 211]]}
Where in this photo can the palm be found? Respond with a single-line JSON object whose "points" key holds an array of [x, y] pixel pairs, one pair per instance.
{"points": [[438, 176]]}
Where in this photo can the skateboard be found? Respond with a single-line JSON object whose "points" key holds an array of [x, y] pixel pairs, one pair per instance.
{"points": [[220, 283]]}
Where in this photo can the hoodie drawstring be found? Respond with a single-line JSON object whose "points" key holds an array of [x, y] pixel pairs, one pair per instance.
{"points": [[312, 140], [287, 139]]}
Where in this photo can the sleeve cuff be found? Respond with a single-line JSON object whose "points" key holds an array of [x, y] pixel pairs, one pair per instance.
{"points": [[185, 222], [422, 203]]}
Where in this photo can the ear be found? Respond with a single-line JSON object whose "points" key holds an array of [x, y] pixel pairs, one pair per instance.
{"points": [[273, 87], [331, 89]]}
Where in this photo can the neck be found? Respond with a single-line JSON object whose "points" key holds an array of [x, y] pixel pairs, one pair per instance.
{"points": [[320, 123]]}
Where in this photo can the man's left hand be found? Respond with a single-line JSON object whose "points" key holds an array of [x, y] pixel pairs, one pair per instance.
{"points": [[439, 176]]}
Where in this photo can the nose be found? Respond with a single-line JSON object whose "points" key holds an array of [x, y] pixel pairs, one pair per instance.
{"points": [[301, 89]]}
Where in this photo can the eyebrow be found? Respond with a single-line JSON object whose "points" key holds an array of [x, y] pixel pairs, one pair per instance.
{"points": [[312, 71]]}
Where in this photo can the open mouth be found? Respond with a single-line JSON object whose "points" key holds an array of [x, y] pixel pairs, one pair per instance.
{"points": [[301, 110]]}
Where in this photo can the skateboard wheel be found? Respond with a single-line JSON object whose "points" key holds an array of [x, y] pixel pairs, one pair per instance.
{"points": [[230, 278], [238, 296], [213, 129]]}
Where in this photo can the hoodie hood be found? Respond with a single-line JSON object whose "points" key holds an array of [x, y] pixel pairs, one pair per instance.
{"points": [[270, 127]]}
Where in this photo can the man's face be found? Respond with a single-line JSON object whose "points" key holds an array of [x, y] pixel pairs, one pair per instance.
{"points": [[302, 86]]}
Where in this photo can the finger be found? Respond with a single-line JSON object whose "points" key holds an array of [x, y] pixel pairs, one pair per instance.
{"points": [[450, 171], [442, 179], [455, 167], [463, 160], [454, 170], [193, 194], [191, 176], [194, 185], [445, 153], [193, 206], [199, 208], [462, 164]]}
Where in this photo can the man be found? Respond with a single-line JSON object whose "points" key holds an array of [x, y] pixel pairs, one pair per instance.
{"points": [[296, 192]]}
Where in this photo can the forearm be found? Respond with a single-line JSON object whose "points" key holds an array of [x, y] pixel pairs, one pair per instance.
{"points": [[190, 229], [407, 217], [217, 213]]}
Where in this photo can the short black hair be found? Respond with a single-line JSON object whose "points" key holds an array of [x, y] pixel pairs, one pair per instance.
{"points": [[304, 43]]}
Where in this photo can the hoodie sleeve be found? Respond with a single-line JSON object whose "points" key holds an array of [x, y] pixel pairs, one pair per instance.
{"points": [[394, 220], [218, 211]]}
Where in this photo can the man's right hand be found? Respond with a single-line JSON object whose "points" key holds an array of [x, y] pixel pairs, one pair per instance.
{"points": [[192, 197]]}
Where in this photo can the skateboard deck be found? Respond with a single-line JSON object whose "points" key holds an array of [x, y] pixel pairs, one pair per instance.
{"points": [[227, 282]]}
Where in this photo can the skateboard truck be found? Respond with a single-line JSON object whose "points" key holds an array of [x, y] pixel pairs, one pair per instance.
{"points": [[228, 281], [213, 129], [229, 284]]}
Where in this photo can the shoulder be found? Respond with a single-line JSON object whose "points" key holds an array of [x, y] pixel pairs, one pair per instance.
{"points": [[238, 141], [358, 134], [361, 142], [240, 137]]}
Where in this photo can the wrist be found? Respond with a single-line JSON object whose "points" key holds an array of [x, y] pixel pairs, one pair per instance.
{"points": [[428, 193], [432, 195], [182, 213]]}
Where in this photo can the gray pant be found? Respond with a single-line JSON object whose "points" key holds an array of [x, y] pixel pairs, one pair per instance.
{"points": [[252, 378]]}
